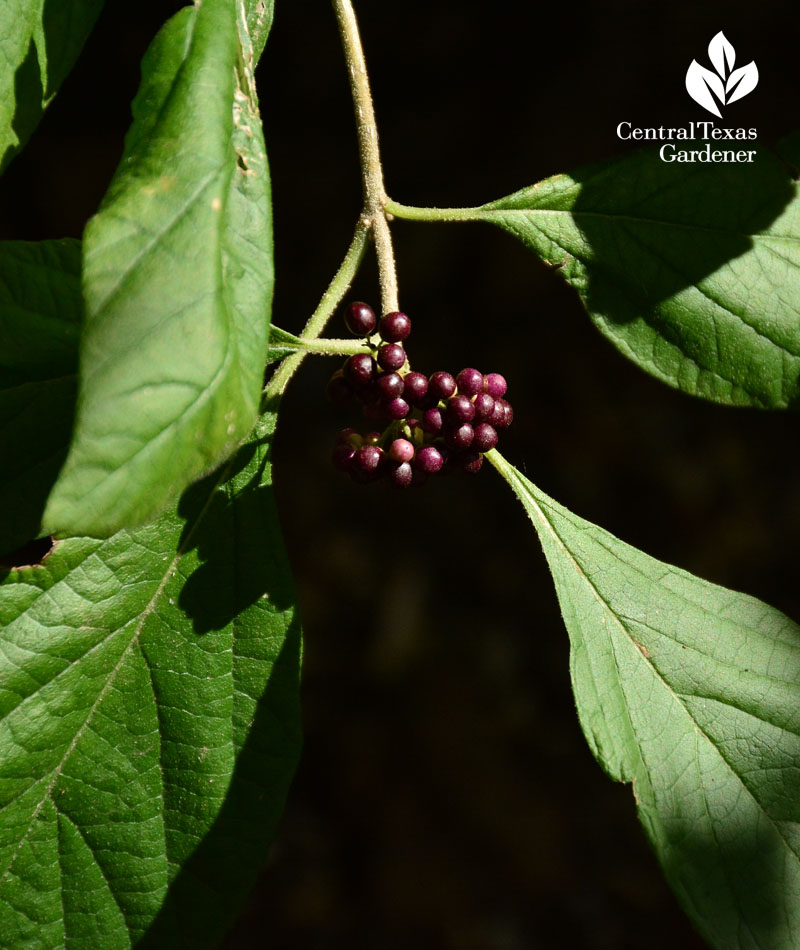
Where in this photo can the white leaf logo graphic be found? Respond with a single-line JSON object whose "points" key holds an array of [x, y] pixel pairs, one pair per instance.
{"points": [[714, 89], [721, 54], [698, 81], [741, 81]]}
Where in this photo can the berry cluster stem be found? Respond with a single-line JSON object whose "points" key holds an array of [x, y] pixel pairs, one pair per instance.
{"points": [[375, 197], [328, 346], [331, 299]]}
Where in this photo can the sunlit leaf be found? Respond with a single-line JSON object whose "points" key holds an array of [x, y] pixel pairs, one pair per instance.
{"points": [[40, 43], [178, 283]]}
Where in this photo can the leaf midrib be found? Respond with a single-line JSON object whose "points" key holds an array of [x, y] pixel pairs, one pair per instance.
{"points": [[158, 236]]}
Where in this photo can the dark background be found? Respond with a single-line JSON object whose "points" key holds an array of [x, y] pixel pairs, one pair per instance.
{"points": [[446, 797]]}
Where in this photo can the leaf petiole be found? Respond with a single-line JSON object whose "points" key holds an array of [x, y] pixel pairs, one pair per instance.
{"points": [[410, 213]]}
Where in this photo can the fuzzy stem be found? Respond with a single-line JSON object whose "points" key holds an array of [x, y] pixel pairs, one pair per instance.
{"points": [[496, 459], [371, 170], [435, 214], [330, 347]]}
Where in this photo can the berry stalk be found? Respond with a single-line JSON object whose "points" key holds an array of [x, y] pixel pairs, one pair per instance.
{"points": [[375, 196], [328, 346], [331, 299]]}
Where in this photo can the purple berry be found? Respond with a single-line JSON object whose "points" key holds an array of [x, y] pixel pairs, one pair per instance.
{"points": [[459, 437], [394, 327], [469, 382], [484, 407], [442, 385], [401, 450], [372, 438], [471, 462], [390, 385], [503, 415], [359, 369], [339, 391], [416, 387], [367, 460], [495, 385], [485, 437], [432, 421], [459, 409], [360, 318], [397, 408], [498, 415], [391, 356], [401, 475], [342, 456], [429, 460]]}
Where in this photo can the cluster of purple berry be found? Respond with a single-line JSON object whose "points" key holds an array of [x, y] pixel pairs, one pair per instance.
{"points": [[430, 424]]}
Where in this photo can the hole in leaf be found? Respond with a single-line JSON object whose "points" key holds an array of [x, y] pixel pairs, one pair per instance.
{"points": [[28, 555], [241, 161]]}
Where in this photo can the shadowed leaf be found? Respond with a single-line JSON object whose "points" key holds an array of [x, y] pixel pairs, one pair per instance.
{"points": [[147, 742], [692, 271], [40, 315]]}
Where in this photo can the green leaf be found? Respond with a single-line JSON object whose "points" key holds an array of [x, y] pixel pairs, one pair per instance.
{"points": [[178, 283], [282, 344], [690, 692], [259, 14], [41, 40], [692, 271], [40, 314], [149, 721]]}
